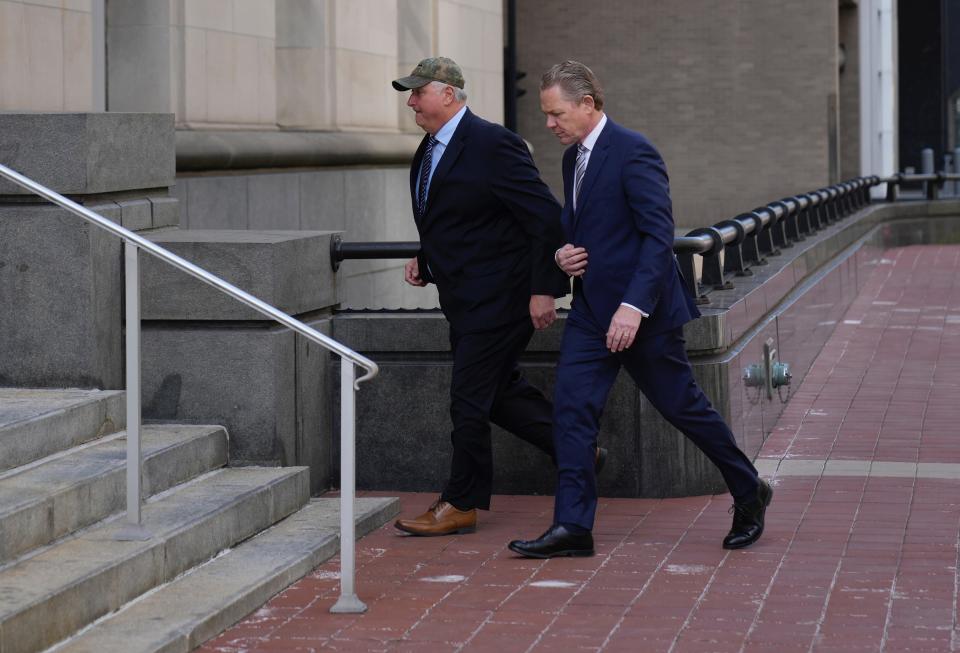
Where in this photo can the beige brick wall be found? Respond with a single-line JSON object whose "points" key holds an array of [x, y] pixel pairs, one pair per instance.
{"points": [[734, 93]]}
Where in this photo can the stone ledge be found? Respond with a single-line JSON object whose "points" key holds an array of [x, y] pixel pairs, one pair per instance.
{"points": [[88, 153], [287, 269], [241, 150]]}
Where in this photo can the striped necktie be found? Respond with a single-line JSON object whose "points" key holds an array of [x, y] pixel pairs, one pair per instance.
{"points": [[425, 167], [580, 170]]}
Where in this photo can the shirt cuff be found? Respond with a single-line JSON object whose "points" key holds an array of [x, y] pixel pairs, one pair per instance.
{"points": [[641, 312]]}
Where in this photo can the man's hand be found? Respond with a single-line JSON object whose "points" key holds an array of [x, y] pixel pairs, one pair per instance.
{"points": [[411, 273], [543, 311], [623, 328], [572, 260]]}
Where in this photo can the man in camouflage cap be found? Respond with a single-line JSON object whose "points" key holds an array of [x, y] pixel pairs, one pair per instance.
{"points": [[488, 229]]}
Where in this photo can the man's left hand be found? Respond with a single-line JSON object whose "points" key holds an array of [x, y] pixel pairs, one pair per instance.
{"points": [[543, 311], [623, 329]]}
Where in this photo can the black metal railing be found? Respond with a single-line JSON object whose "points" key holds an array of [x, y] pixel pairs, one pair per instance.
{"points": [[746, 240], [931, 184]]}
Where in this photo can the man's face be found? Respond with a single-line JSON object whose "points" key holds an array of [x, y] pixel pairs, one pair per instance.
{"points": [[430, 106], [569, 121]]}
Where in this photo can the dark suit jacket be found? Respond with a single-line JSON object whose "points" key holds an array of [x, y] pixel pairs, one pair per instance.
{"points": [[490, 228], [625, 221]]}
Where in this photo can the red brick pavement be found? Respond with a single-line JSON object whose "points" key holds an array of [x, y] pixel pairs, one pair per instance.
{"points": [[858, 561]]}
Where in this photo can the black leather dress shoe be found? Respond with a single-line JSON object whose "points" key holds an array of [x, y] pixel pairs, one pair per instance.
{"points": [[748, 519], [600, 459], [556, 542]]}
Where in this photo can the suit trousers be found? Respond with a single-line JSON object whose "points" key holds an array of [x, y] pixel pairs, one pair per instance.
{"points": [[659, 366], [488, 386]]}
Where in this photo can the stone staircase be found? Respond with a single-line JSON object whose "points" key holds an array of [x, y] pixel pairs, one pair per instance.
{"points": [[222, 540]]}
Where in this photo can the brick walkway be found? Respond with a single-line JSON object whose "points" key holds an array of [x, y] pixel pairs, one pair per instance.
{"points": [[860, 551]]}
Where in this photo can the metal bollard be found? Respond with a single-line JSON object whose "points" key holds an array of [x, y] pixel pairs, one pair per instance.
{"points": [[926, 168], [956, 169]]}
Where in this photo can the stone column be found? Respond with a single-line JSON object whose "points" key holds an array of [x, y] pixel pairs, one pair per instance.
{"points": [[210, 63]]}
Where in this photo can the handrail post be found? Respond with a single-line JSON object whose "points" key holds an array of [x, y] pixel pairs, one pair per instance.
{"points": [[348, 602], [133, 530]]}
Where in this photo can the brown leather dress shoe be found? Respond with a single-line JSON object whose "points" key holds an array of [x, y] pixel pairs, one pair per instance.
{"points": [[440, 519]]}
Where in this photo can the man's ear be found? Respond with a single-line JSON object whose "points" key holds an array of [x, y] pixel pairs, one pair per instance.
{"points": [[588, 102]]}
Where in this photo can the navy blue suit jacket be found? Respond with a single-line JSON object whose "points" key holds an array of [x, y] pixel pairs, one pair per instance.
{"points": [[490, 228], [625, 221]]}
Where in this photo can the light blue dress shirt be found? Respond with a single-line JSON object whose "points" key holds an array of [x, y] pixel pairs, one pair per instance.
{"points": [[443, 139]]}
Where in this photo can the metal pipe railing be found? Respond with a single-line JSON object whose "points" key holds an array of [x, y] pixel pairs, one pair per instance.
{"points": [[931, 183], [133, 243], [745, 240]]}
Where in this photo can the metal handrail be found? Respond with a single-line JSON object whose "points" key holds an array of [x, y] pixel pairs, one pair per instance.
{"points": [[133, 243]]}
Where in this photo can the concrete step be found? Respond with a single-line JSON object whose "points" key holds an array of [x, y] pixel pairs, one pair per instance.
{"points": [[37, 423], [52, 594], [183, 614], [55, 496]]}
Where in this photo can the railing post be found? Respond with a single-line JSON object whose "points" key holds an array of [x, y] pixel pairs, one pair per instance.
{"points": [[764, 234], [892, 188], [831, 205], [733, 262], [776, 230], [956, 169], [689, 272], [133, 530], [348, 601], [933, 187]]}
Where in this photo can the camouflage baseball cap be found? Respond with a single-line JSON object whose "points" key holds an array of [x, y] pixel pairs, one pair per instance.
{"points": [[432, 69]]}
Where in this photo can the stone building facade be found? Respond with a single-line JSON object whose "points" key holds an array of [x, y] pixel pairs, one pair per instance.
{"points": [[284, 111], [286, 119]]}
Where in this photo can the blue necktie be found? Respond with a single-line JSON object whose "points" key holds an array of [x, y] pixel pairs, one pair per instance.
{"points": [[425, 167]]}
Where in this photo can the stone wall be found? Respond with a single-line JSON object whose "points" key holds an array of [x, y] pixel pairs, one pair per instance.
{"points": [[46, 55], [297, 64], [61, 279], [735, 95]]}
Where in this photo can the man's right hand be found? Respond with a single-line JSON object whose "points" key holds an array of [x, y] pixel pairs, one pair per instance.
{"points": [[572, 260], [411, 273]]}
